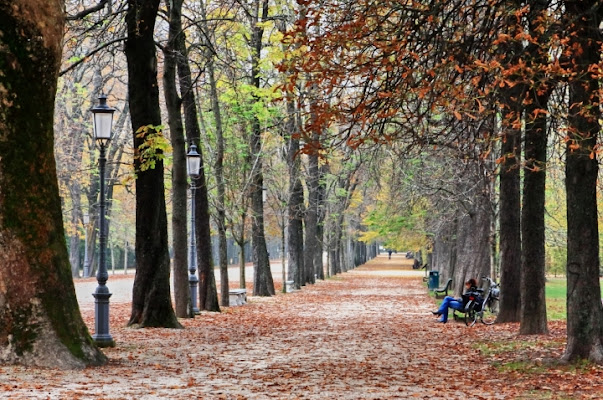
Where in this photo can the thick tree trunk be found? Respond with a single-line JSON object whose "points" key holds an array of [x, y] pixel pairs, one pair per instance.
{"points": [[533, 303], [510, 227], [510, 179], [40, 322], [444, 251], [473, 236], [182, 296], [151, 300], [584, 310]]}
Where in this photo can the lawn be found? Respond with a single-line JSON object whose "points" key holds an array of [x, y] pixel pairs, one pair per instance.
{"points": [[556, 290]]}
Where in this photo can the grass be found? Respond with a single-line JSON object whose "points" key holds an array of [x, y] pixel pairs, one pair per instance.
{"points": [[556, 291], [494, 348]]}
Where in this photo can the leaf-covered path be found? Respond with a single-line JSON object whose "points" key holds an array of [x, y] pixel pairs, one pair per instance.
{"points": [[365, 334]]}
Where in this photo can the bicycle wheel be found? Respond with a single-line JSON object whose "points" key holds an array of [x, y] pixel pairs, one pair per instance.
{"points": [[470, 315], [490, 311]]}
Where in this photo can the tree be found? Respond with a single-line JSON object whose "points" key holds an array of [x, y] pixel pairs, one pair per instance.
{"points": [[40, 323], [509, 177], [263, 284], [151, 300], [584, 310], [533, 305], [173, 102], [219, 156]]}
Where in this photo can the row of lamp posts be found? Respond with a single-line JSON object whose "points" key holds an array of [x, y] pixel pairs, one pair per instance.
{"points": [[103, 122]]}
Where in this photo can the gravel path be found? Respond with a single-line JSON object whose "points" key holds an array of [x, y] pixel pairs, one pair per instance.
{"points": [[364, 334]]}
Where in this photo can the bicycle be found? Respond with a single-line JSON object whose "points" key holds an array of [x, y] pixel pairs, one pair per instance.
{"points": [[483, 307]]}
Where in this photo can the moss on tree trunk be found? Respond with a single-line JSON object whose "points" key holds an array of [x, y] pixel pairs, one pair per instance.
{"points": [[40, 322]]}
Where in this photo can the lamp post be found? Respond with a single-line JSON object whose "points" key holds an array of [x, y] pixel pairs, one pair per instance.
{"points": [[86, 219], [103, 121], [193, 164]]}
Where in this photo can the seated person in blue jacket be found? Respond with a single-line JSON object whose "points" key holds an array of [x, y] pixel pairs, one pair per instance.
{"points": [[455, 303]]}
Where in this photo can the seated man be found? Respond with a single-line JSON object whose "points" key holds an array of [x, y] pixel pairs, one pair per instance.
{"points": [[457, 304]]}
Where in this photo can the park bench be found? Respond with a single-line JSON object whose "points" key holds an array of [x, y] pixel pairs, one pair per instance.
{"points": [[237, 297], [443, 291]]}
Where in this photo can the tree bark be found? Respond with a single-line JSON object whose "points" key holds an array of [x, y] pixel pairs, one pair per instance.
{"points": [[311, 219], [218, 164], [263, 284], [295, 205], [182, 296], [320, 221], [584, 310], [151, 300], [473, 234], [533, 303], [533, 318], [40, 322], [510, 181], [510, 225], [444, 251], [208, 295]]}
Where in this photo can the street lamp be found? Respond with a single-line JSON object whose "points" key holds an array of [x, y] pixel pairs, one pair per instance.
{"points": [[193, 164], [103, 121], [86, 218]]}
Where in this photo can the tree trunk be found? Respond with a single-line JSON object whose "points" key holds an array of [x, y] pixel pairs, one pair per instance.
{"points": [[151, 300], [40, 322], [263, 284], [444, 251], [182, 295], [510, 178], [218, 168], [510, 225], [311, 219], [320, 220], [242, 265], [533, 303], [584, 310], [295, 205], [74, 240], [473, 235]]}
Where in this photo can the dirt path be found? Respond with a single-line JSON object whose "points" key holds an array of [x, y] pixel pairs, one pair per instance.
{"points": [[365, 334]]}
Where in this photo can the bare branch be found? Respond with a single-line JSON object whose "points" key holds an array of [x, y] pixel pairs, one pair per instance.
{"points": [[91, 53], [88, 11]]}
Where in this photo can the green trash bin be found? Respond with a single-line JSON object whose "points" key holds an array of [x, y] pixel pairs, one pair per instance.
{"points": [[434, 280]]}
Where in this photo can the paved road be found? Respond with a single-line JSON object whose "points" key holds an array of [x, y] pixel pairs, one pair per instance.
{"points": [[121, 285]]}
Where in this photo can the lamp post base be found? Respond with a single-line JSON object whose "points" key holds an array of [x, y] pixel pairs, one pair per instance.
{"points": [[193, 283], [102, 337]]}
